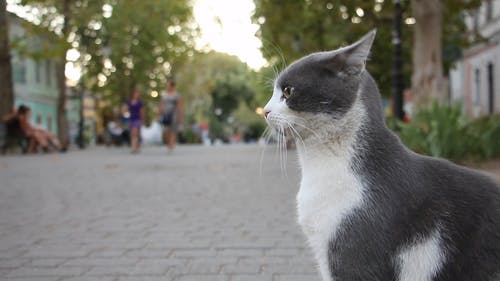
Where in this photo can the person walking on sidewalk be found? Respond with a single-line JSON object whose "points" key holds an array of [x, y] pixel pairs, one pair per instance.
{"points": [[136, 111], [171, 114]]}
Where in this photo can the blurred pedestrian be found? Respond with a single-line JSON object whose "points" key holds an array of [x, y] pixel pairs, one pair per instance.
{"points": [[171, 114], [136, 112]]}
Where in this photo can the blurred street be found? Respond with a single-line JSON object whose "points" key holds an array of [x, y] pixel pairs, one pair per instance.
{"points": [[201, 213]]}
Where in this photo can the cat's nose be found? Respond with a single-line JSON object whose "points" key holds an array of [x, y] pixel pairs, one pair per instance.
{"points": [[266, 112]]}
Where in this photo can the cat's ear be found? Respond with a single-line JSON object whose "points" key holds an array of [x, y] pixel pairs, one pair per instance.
{"points": [[352, 59], [357, 53]]}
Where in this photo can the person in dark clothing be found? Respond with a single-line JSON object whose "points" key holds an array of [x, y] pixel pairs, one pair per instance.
{"points": [[136, 111]]}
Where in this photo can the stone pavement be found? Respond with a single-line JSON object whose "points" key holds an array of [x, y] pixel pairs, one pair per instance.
{"points": [[201, 213]]}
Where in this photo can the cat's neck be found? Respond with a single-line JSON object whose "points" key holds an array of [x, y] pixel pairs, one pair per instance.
{"points": [[361, 134], [333, 142]]}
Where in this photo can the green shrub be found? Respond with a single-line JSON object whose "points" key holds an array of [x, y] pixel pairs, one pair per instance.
{"points": [[190, 136], [484, 132], [444, 131]]}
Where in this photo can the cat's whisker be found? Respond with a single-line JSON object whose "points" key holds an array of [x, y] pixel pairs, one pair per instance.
{"points": [[307, 128], [297, 135], [279, 148], [285, 152], [266, 135], [282, 147], [294, 120], [275, 50]]}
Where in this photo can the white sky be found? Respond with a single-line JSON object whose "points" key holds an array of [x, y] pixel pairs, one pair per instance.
{"points": [[226, 27]]}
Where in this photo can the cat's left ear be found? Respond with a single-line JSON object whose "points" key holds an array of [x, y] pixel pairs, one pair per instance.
{"points": [[353, 57]]}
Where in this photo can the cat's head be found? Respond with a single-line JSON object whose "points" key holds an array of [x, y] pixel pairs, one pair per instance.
{"points": [[319, 89]]}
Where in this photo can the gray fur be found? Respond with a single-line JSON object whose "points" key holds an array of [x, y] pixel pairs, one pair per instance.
{"points": [[408, 195]]}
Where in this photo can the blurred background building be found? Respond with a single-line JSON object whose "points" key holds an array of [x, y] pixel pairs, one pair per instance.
{"points": [[474, 78], [35, 81]]}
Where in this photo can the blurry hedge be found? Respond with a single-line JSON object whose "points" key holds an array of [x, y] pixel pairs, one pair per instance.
{"points": [[444, 131]]}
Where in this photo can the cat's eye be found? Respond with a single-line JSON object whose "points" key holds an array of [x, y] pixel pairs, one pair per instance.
{"points": [[287, 92]]}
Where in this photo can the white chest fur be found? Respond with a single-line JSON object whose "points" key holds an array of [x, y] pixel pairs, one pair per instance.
{"points": [[328, 192]]}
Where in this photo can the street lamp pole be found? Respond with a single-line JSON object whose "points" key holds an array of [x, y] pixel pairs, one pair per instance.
{"points": [[397, 67], [81, 125]]}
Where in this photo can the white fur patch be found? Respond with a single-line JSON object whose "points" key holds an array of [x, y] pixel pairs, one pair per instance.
{"points": [[421, 261], [329, 190]]}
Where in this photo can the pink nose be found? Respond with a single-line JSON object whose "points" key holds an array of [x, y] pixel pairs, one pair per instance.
{"points": [[266, 112]]}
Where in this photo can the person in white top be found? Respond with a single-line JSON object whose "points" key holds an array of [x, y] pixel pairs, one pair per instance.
{"points": [[171, 114]]}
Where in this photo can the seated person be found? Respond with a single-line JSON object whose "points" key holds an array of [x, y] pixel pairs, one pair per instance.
{"points": [[38, 137], [13, 126], [118, 134]]}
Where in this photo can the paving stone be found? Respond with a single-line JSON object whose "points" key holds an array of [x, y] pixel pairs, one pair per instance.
{"points": [[128, 270], [239, 268], [90, 278], [194, 253], [12, 263], [251, 277], [241, 252], [38, 278], [297, 277], [47, 262], [202, 278], [89, 262], [47, 272]]}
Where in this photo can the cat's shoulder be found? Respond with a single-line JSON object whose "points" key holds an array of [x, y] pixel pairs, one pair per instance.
{"points": [[457, 178]]}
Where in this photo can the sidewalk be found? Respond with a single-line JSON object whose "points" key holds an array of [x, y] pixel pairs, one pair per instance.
{"points": [[197, 214]]}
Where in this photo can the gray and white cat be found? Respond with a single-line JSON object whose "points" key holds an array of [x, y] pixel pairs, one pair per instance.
{"points": [[372, 209]]}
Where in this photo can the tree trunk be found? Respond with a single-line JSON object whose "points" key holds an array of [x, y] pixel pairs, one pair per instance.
{"points": [[6, 88], [62, 121], [427, 78]]}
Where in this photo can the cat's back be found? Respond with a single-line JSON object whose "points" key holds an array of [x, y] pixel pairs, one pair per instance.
{"points": [[467, 210], [466, 186]]}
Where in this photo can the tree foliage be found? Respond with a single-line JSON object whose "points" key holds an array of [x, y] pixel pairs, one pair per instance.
{"points": [[291, 29], [295, 28], [61, 17], [213, 79], [137, 46], [210, 81], [122, 44]]}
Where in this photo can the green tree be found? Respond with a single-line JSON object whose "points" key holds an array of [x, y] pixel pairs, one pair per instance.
{"points": [[137, 46], [6, 90], [290, 30], [62, 17], [294, 28], [198, 78], [215, 86]]}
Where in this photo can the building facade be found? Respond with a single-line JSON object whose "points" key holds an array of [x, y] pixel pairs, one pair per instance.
{"points": [[35, 80], [475, 79]]}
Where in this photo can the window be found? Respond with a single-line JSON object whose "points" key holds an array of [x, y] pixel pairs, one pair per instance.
{"points": [[475, 20], [48, 73], [489, 10], [19, 72], [477, 86], [38, 69], [49, 122], [491, 88]]}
